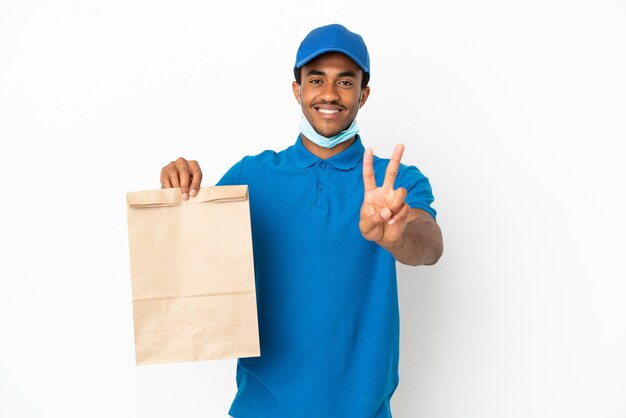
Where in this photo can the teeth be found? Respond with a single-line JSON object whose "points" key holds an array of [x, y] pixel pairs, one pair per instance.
{"points": [[328, 111]]}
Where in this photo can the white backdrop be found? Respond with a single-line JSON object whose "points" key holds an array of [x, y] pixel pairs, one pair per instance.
{"points": [[515, 110]]}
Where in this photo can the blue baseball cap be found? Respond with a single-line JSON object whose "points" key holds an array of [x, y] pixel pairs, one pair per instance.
{"points": [[333, 38]]}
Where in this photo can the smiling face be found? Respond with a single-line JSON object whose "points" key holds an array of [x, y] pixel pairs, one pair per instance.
{"points": [[330, 92]]}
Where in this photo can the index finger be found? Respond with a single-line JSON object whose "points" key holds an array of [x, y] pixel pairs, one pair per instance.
{"points": [[369, 180], [183, 175], [392, 168]]}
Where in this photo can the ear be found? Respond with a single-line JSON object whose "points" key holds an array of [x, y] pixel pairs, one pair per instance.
{"points": [[296, 91], [365, 93]]}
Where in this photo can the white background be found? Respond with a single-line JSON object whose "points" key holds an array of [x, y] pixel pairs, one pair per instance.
{"points": [[514, 109]]}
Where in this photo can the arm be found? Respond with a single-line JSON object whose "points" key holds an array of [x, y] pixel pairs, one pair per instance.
{"points": [[411, 235], [421, 242]]}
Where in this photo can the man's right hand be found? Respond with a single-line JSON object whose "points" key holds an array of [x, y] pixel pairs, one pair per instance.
{"points": [[184, 174]]}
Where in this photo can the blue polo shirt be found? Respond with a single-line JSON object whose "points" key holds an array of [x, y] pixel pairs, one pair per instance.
{"points": [[327, 298]]}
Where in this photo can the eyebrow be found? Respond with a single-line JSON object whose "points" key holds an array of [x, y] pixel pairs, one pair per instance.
{"points": [[342, 74]]}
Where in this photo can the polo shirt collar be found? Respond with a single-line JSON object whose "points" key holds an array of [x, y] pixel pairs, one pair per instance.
{"points": [[345, 160]]}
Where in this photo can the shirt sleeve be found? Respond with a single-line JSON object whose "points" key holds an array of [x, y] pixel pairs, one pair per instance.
{"points": [[419, 191]]}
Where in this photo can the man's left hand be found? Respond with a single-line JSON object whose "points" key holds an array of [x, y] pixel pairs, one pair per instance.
{"points": [[384, 213]]}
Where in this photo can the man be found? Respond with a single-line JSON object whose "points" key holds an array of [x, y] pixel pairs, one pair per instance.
{"points": [[326, 239]]}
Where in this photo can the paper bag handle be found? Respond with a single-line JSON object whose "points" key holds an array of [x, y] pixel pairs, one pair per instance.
{"points": [[172, 197]]}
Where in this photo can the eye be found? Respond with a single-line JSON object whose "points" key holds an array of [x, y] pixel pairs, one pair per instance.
{"points": [[315, 81], [346, 83]]}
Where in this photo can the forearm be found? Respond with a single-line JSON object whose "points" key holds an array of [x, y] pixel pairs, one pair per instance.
{"points": [[420, 244]]}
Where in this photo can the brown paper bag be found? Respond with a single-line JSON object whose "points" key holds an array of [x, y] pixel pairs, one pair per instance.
{"points": [[192, 275]]}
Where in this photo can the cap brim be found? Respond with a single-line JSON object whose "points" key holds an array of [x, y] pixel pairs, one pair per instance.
{"points": [[304, 61]]}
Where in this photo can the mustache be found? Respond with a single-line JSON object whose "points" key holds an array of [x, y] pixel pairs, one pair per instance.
{"points": [[331, 103]]}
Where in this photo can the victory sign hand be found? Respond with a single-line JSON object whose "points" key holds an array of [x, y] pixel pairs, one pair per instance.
{"points": [[384, 213]]}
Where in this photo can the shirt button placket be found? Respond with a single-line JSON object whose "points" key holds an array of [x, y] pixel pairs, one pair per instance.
{"points": [[320, 185], [320, 202]]}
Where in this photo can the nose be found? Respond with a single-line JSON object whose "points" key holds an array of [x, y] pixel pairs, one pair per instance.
{"points": [[330, 93]]}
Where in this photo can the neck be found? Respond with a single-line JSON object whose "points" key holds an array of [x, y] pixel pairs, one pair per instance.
{"points": [[325, 153]]}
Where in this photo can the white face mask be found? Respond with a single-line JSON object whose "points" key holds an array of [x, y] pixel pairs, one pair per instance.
{"points": [[324, 142]]}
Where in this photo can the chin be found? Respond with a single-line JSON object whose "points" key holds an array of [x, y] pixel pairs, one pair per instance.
{"points": [[327, 133]]}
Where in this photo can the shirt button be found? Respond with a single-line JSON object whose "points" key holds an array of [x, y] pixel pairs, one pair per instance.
{"points": [[322, 164], [320, 186]]}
